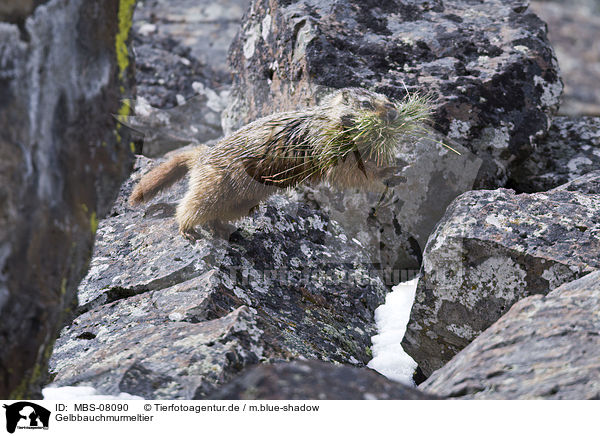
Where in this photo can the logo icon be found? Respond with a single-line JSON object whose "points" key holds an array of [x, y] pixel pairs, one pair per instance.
{"points": [[26, 415]]}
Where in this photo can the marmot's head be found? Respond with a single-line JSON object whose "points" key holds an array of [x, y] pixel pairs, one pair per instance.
{"points": [[348, 103], [372, 125]]}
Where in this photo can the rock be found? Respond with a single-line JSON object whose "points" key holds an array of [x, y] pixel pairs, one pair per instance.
{"points": [[194, 121], [166, 73], [134, 346], [491, 249], [588, 184], [63, 159], [163, 318], [394, 227], [573, 28], [314, 380], [569, 151], [205, 28], [545, 347], [181, 57], [491, 70], [16, 11]]}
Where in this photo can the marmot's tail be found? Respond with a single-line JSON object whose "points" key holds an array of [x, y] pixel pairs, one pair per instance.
{"points": [[164, 175]]}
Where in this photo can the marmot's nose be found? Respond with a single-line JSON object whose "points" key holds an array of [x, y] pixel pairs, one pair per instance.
{"points": [[391, 115]]}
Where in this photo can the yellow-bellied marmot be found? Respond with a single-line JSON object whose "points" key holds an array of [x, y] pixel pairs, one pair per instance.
{"points": [[347, 141]]}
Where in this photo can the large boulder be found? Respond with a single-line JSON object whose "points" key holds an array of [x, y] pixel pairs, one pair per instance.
{"points": [[545, 347], [569, 151], [161, 317], [64, 68], [488, 65], [315, 380], [394, 226], [493, 248]]}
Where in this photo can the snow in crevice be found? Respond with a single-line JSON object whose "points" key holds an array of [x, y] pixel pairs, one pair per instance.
{"points": [[392, 317]]}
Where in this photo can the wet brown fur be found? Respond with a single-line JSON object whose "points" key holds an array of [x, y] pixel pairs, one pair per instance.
{"points": [[274, 152]]}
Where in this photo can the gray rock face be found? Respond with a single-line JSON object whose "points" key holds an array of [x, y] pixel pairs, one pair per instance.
{"points": [[181, 58], [63, 159], [203, 27], [166, 72], [314, 380], [588, 184], [491, 70], [573, 28], [493, 248], [394, 226], [545, 347], [163, 318], [569, 151]]}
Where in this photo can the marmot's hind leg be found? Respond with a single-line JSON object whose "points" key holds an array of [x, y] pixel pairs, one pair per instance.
{"points": [[195, 208], [188, 218], [215, 198]]}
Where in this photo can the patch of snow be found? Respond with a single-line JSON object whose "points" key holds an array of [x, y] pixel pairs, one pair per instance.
{"points": [[392, 317], [81, 393]]}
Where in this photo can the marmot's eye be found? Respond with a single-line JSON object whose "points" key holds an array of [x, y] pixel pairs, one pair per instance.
{"points": [[366, 104], [347, 120]]}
